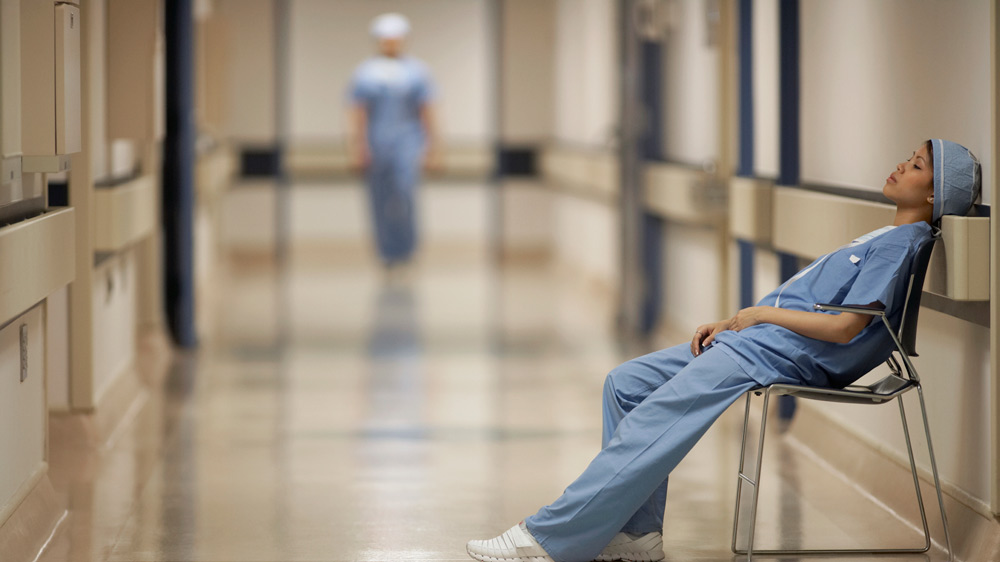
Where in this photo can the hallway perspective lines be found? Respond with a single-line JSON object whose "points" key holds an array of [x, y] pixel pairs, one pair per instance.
{"points": [[334, 415]]}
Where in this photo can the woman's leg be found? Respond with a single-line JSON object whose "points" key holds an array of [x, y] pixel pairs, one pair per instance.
{"points": [[392, 184], [624, 389], [644, 448]]}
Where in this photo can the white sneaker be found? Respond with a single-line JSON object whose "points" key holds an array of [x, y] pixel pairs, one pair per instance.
{"points": [[633, 548], [516, 545]]}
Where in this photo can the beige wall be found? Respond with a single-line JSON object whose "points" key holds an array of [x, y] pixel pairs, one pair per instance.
{"points": [[249, 116], [329, 40], [10, 74], [527, 101], [114, 319], [765, 88], [880, 77], [691, 87], [586, 72], [97, 52], [877, 79]]}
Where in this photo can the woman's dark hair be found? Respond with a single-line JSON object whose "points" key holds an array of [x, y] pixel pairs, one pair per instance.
{"points": [[930, 151]]}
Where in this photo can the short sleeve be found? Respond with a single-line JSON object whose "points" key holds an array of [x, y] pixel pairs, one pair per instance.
{"points": [[424, 86], [886, 266], [360, 89]]}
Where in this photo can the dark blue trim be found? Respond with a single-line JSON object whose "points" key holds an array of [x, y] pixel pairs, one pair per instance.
{"points": [[178, 172], [788, 144], [746, 273], [58, 194], [746, 133], [745, 165], [651, 147], [260, 162], [517, 161], [652, 265], [788, 265], [651, 55]]}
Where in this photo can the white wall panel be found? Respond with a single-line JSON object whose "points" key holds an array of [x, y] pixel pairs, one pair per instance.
{"points": [[329, 40], [250, 99], [586, 71], [452, 214], [95, 65], [954, 370], [528, 58], [691, 88], [57, 349], [455, 214], [878, 78], [765, 88], [587, 236], [323, 212], [527, 216], [691, 274], [114, 320]]}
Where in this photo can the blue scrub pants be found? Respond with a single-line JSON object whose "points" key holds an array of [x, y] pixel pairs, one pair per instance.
{"points": [[656, 407], [392, 185]]}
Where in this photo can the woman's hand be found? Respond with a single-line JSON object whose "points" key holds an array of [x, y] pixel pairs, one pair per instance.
{"points": [[361, 159], [747, 317], [432, 161], [705, 334]]}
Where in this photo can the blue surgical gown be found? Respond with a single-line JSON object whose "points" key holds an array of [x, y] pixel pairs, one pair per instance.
{"points": [[876, 270], [393, 91]]}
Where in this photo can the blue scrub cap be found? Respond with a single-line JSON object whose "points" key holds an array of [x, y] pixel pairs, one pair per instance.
{"points": [[390, 26], [957, 179]]}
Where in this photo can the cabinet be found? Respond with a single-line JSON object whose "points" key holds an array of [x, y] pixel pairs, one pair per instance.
{"points": [[50, 84]]}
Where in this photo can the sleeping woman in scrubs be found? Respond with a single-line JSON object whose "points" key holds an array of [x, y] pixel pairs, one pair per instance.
{"points": [[656, 407], [393, 136]]}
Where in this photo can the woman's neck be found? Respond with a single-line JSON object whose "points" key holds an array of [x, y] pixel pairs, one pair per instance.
{"points": [[910, 216]]}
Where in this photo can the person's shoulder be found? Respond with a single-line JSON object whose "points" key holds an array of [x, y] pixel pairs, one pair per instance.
{"points": [[366, 66], [416, 65], [909, 235]]}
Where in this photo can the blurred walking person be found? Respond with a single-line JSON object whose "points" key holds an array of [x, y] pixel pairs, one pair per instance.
{"points": [[393, 136]]}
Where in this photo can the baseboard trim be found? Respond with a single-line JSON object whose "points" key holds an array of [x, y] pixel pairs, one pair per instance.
{"points": [[32, 520], [885, 477], [122, 400]]}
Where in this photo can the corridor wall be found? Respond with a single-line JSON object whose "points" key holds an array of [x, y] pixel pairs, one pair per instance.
{"points": [[581, 162], [878, 78], [691, 40]]}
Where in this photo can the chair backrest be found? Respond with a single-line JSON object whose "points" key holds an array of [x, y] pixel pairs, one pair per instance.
{"points": [[911, 307]]}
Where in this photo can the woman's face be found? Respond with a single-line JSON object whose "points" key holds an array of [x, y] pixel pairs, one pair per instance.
{"points": [[390, 47], [912, 184]]}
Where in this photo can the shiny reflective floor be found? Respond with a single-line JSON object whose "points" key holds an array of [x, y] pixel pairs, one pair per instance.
{"points": [[336, 411]]}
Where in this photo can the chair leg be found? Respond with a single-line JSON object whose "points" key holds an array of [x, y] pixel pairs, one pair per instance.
{"points": [[756, 485], [755, 482], [934, 470], [913, 472], [749, 551], [739, 478]]}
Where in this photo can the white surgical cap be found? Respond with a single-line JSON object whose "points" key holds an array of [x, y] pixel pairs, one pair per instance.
{"points": [[390, 26], [957, 178]]}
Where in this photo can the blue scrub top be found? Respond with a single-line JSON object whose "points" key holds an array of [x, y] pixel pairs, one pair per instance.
{"points": [[874, 268], [392, 90]]}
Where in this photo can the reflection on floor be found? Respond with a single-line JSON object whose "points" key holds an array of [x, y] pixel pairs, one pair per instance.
{"points": [[337, 412]]}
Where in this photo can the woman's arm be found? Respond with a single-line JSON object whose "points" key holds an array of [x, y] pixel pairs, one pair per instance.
{"points": [[432, 155], [360, 155], [833, 328]]}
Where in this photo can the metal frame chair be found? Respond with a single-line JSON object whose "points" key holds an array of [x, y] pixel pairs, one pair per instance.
{"points": [[900, 381]]}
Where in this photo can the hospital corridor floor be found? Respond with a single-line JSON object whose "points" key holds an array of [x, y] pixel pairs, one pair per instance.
{"points": [[337, 413]]}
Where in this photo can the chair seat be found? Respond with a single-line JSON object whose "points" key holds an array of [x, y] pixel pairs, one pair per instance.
{"points": [[881, 391]]}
